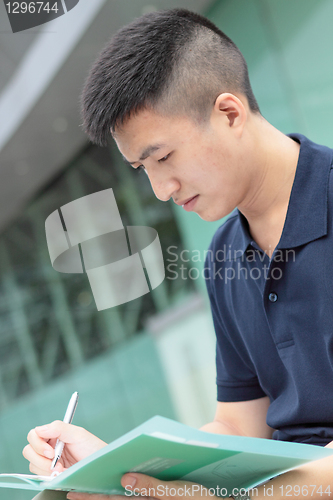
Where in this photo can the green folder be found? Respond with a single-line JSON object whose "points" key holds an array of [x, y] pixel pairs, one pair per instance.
{"points": [[168, 450]]}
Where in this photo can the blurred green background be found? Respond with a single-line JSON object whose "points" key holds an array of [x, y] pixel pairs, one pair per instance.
{"points": [[154, 355]]}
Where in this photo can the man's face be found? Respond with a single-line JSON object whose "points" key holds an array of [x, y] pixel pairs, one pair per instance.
{"points": [[200, 167]]}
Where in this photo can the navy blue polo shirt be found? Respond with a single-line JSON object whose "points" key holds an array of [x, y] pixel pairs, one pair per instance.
{"points": [[274, 317]]}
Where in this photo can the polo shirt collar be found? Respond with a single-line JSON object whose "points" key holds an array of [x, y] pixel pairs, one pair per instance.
{"points": [[306, 218], [307, 213], [242, 238]]}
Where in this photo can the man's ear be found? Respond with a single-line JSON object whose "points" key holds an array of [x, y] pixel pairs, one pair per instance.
{"points": [[232, 108]]}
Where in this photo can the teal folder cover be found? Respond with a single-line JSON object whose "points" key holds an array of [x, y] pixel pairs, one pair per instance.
{"points": [[168, 450]]}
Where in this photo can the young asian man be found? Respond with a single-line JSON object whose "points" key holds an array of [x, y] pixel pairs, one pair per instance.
{"points": [[174, 93]]}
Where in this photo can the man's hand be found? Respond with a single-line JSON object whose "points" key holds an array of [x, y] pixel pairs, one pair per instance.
{"points": [[79, 443], [150, 487]]}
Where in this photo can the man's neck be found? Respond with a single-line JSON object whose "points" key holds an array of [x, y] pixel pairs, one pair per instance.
{"points": [[266, 205]]}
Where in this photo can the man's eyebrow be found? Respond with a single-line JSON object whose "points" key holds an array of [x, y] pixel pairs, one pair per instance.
{"points": [[149, 150], [145, 153]]}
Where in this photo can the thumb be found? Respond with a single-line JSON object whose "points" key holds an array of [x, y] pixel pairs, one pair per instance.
{"points": [[151, 487], [67, 433], [143, 485]]}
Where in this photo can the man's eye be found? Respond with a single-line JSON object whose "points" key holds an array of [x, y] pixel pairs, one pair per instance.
{"points": [[164, 158]]}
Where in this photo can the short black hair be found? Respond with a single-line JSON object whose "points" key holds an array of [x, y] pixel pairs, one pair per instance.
{"points": [[174, 61]]}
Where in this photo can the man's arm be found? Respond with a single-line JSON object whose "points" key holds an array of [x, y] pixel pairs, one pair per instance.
{"points": [[243, 418]]}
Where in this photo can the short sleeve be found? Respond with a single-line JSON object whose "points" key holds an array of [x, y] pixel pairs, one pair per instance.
{"points": [[236, 379]]}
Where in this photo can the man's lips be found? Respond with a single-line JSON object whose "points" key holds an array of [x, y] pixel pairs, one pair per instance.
{"points": [[183, 202], [189, 203]]}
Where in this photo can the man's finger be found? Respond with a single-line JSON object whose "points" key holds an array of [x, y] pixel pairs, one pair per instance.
{"points": [[39, 464], [34, 469], [38, 461], [39, 445], [147, 486], [143, 485], [67, 433]]}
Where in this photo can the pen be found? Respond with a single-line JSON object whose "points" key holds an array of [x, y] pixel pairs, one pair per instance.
{"points": [[68, 420]]}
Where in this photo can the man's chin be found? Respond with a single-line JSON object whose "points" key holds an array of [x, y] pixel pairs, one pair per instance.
{"points": [[211, 217]]}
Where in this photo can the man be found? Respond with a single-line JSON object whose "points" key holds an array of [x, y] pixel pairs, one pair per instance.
{"points": [[174, 92]]}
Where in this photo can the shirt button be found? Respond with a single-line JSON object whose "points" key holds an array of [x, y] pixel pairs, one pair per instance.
{"points": [[273, 297]]}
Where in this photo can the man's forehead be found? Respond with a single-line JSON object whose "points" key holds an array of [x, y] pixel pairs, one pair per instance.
{"points": [[134, 119], [139, 138], [147, 131]]}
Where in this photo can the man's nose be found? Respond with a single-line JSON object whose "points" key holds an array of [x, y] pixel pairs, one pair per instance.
{"points": [[163, 186]]}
